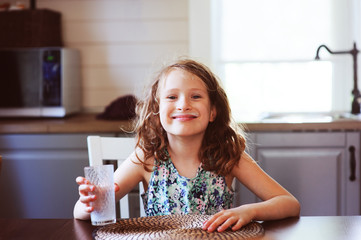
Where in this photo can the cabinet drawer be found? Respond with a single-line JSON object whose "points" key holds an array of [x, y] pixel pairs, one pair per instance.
{"points": [[43, 141], [301, 139]]}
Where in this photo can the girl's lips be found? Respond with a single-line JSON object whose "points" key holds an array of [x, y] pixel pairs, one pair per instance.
{"points": [[184, 116]]}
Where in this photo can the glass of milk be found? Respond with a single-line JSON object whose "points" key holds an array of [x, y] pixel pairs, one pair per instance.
{"points": [[101, 176]]}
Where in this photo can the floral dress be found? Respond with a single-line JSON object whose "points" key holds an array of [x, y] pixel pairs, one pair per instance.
{"points": [[170, 193]]}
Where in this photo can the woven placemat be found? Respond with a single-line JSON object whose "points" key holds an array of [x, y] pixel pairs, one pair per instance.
{"points": [[171, 227]]}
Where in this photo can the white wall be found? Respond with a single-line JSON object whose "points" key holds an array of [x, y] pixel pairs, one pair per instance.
{"points": [[122, 42]]}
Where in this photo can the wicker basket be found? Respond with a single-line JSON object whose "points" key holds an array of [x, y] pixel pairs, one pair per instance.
{"points": [[30, 28]]}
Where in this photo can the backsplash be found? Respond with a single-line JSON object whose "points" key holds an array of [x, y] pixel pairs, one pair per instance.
{"points": [[122, 42]]}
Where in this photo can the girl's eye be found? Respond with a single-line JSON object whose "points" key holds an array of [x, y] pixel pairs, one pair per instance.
{"points": [[171, 97], [197, 96]]}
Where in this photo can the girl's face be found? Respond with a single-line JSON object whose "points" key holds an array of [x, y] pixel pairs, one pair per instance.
{"points": [[184, 106]]}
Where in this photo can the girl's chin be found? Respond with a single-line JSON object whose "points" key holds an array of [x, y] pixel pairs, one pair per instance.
{"points": [[184, 133]]}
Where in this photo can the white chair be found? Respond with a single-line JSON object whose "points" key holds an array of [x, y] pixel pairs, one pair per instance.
{"points": [[114, 148]]}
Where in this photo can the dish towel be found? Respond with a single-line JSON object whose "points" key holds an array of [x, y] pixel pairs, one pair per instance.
{"points": [[122, 108]]}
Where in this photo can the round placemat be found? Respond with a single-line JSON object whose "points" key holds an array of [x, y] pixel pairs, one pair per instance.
{"points": [[171, 227]]}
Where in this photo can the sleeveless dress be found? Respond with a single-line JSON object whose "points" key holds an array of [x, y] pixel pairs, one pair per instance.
{"points": [[170, 193]]}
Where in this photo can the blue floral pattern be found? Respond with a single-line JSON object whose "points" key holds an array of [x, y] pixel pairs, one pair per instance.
{"points": [[170, 193]]}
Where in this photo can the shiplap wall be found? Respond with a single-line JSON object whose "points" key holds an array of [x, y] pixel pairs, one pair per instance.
{"points": [[122, 42]]}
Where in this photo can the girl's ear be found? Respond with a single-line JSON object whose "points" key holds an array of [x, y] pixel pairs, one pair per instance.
{"points": [[213, 114]]}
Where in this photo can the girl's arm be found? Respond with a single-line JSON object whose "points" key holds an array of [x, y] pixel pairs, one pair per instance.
{"points": [[129, 174], [277, 202], [126, 177]]}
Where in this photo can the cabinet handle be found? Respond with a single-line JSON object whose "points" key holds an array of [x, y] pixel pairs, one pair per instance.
{"points": [[352, 163]]}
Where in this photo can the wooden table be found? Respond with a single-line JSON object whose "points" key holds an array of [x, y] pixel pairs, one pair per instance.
{"points": [[314, 228], [13, 229], [330, 228]]}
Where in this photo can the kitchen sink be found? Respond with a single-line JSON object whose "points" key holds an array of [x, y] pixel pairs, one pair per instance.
{"points": [[307, 117]]}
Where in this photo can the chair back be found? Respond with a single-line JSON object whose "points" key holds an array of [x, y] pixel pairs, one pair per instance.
{"points": [[114, 148]]}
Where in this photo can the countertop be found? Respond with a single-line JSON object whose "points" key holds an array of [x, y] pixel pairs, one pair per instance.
{"points": [[87, 123], [78, 123]]}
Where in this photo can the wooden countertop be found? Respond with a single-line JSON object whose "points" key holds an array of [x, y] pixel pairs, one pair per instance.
{"points": [[87, 123], [79, 123], [339, 125]]}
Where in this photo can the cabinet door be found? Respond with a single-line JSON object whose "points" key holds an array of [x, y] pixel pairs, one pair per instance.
{"points": [[352, 178], [38, 174], [321, 169], [313, 176], [40, 183]]}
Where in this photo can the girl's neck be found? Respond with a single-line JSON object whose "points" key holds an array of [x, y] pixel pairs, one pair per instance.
{"points": [[184, 154], [184, 147]]}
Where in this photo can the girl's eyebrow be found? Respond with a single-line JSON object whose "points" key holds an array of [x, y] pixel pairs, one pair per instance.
{"points": [[190, 89]]}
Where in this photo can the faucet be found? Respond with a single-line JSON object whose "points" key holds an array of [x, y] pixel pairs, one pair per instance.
{"points": [[355, 109]]}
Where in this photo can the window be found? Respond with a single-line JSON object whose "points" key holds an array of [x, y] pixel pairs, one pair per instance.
{"points": [[264, 50]]}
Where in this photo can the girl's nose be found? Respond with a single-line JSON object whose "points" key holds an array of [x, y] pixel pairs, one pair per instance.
{"points": [[183, 104], [183, 109]]}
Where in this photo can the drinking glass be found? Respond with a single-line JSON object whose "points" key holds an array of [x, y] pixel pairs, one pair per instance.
{"points": [[101, 176]]}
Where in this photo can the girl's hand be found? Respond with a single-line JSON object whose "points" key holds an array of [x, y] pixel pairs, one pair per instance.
{"points": [[234, 218], [84, 189]]}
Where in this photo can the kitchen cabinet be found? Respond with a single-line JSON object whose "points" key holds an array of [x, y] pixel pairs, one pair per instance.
{"points": [[38, 174], [321, 169], [39, 170]]}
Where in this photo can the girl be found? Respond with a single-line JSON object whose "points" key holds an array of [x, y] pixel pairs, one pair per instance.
{"points": [[188, 152]]}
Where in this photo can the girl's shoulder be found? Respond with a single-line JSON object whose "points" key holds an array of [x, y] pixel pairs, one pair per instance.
{"points": [[139, 158], [244, 162]]}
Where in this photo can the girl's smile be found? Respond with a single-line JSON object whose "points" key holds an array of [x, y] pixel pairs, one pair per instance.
{"points": [[184, 116]]}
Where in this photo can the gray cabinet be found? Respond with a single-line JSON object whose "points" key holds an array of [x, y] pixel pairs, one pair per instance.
{"points": [[38, 174], [321, 169]]}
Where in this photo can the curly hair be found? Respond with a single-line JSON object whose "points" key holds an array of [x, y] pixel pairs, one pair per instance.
{"points": [[218, 154]]}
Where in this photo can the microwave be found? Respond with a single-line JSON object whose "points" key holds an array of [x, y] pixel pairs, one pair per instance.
{"points": [[39, 82]]}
